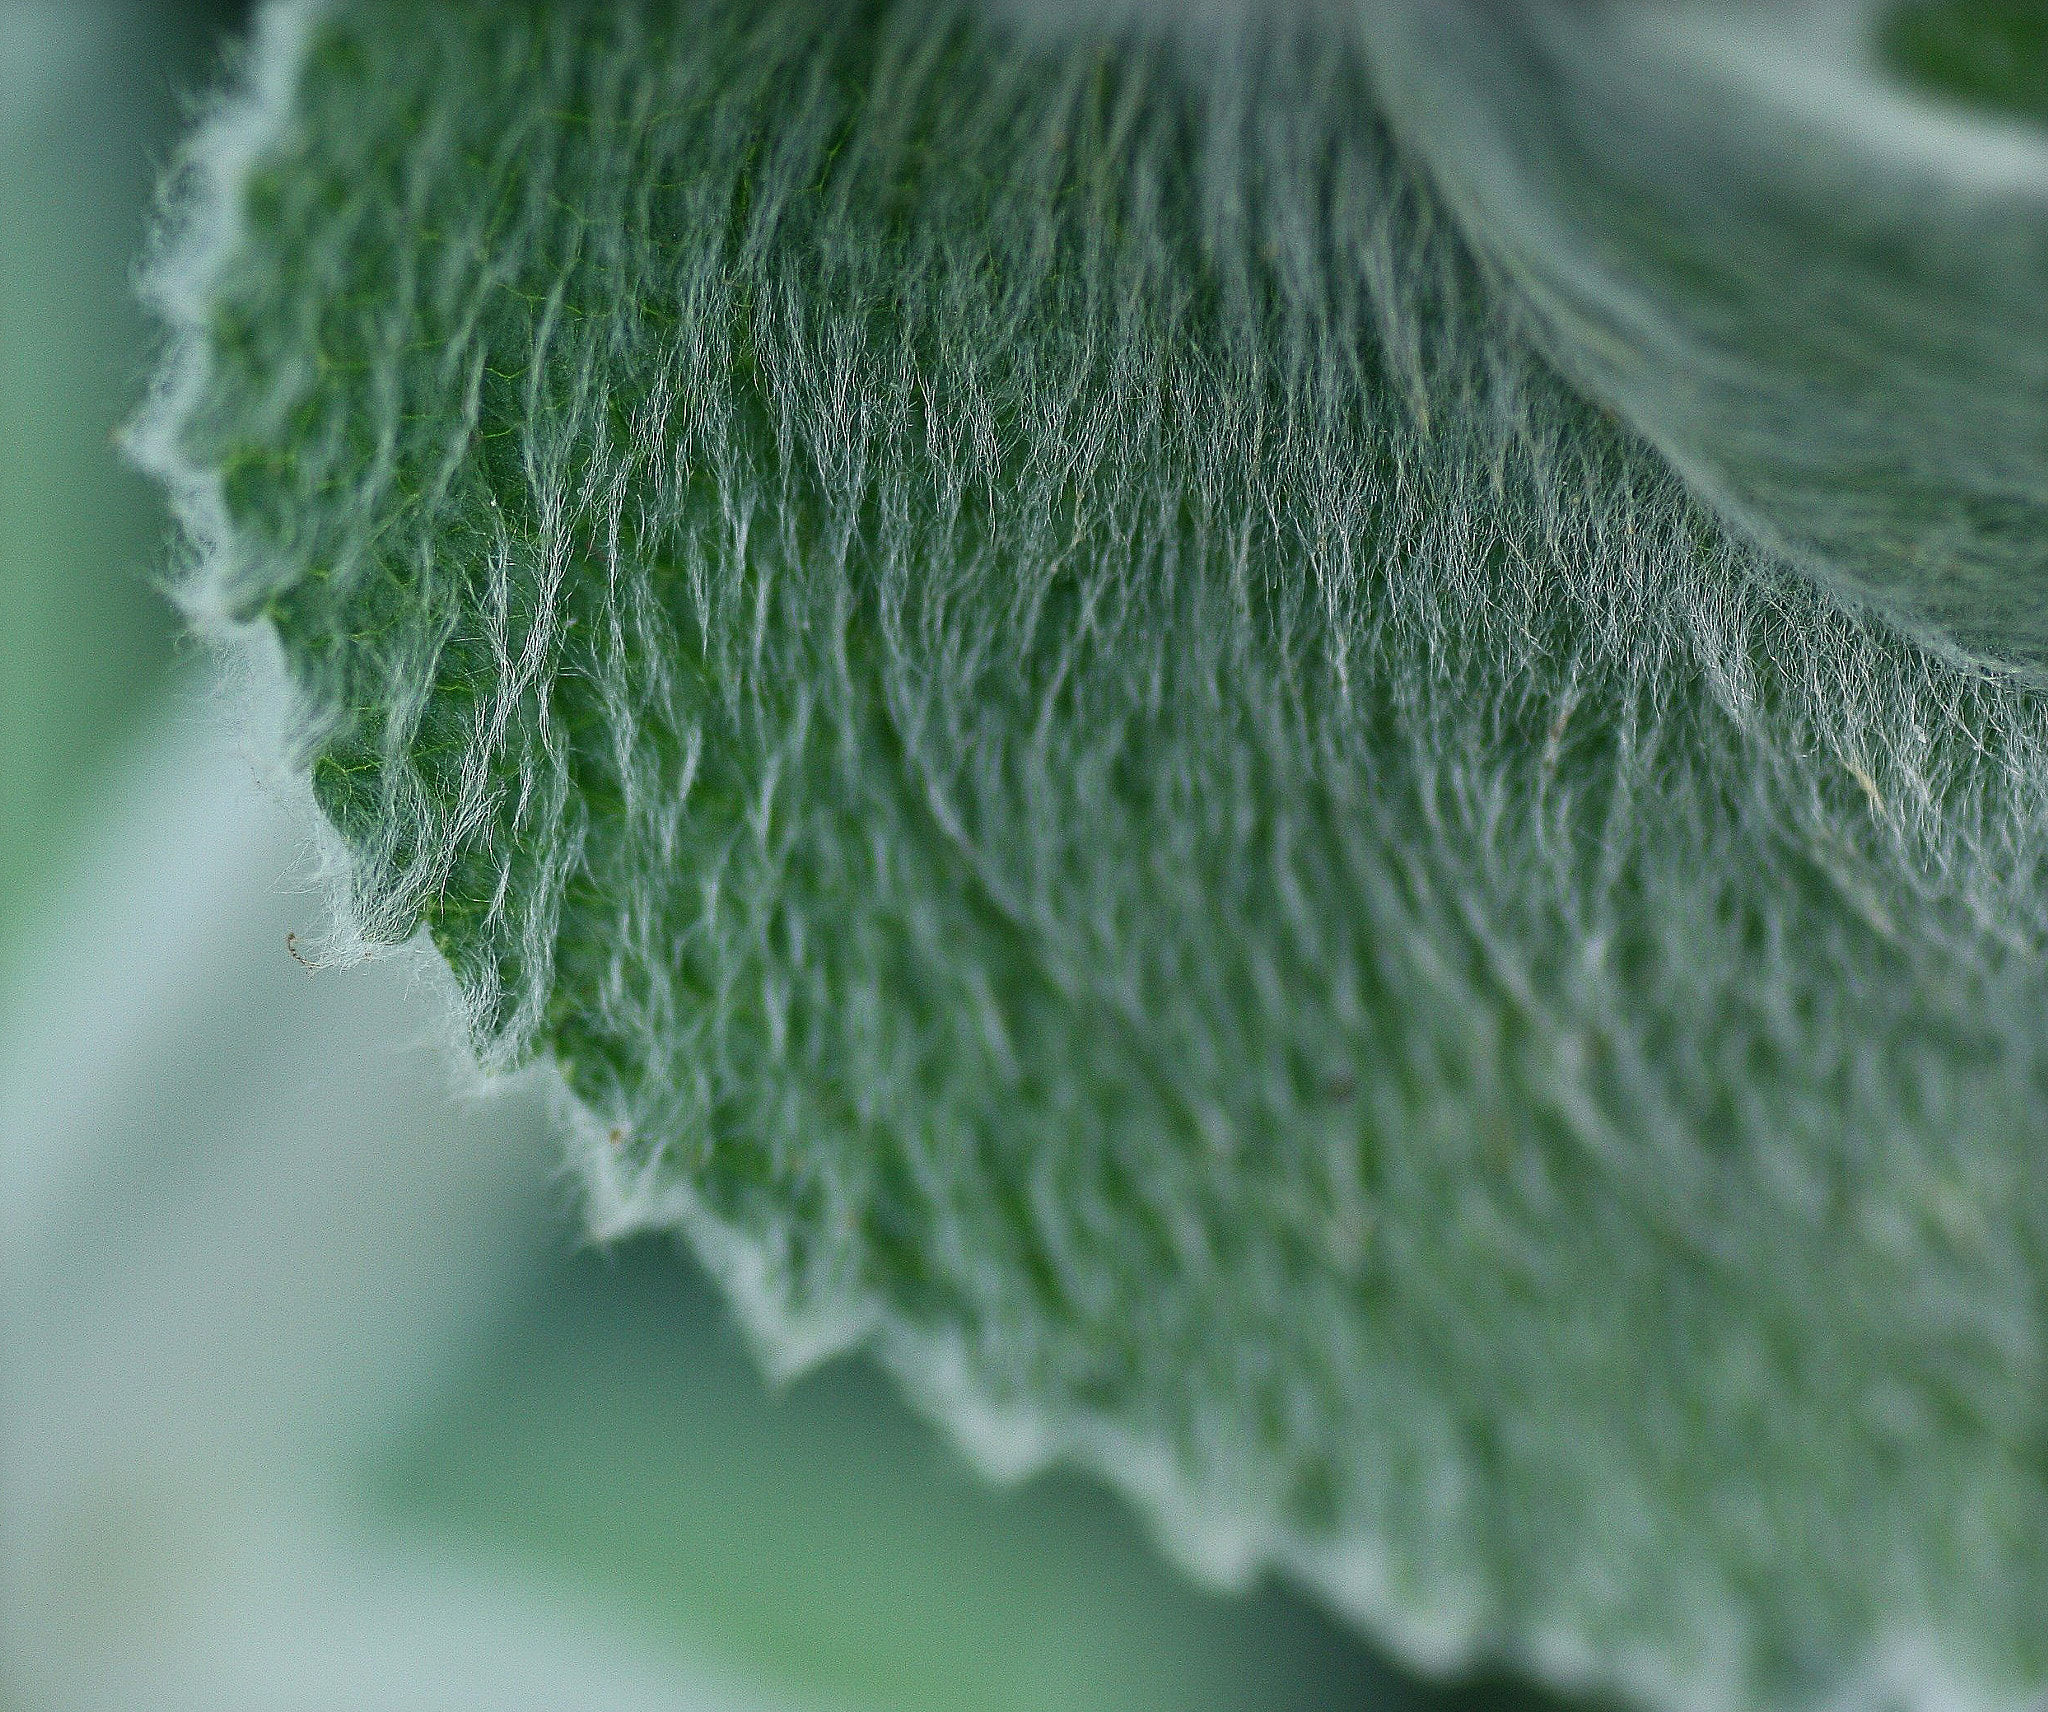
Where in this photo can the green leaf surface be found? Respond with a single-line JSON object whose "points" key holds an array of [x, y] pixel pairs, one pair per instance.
{"points": [[1038, 661], [1748, 230]]}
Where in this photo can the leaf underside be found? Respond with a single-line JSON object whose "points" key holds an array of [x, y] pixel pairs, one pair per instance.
{"points": [[1003, 648]]}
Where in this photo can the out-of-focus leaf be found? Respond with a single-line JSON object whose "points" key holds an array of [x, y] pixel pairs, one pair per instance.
{"points": [[615, 1437], [84, 91], [1817, 292], [1991, 54]]}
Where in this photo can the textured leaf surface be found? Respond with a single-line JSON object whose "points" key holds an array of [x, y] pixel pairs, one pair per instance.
{"points": [[1818, 295], [1016, 660]]}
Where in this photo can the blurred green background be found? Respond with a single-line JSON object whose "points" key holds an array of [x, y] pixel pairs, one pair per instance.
{"points": [[315, 1397], [89, 99]]}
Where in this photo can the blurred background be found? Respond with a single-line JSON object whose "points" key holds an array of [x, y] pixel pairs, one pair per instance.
{"points": [[314, 1395]]}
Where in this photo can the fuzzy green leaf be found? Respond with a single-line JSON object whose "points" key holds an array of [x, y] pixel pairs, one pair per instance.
{"points": [[1117, 751]]}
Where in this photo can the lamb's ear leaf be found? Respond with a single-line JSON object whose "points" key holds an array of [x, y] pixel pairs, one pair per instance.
{"points": [[1096, 777], [1774, 239]]}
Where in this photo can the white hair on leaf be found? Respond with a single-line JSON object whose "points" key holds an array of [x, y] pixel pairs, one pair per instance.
{"points": [[1063, 674]]}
